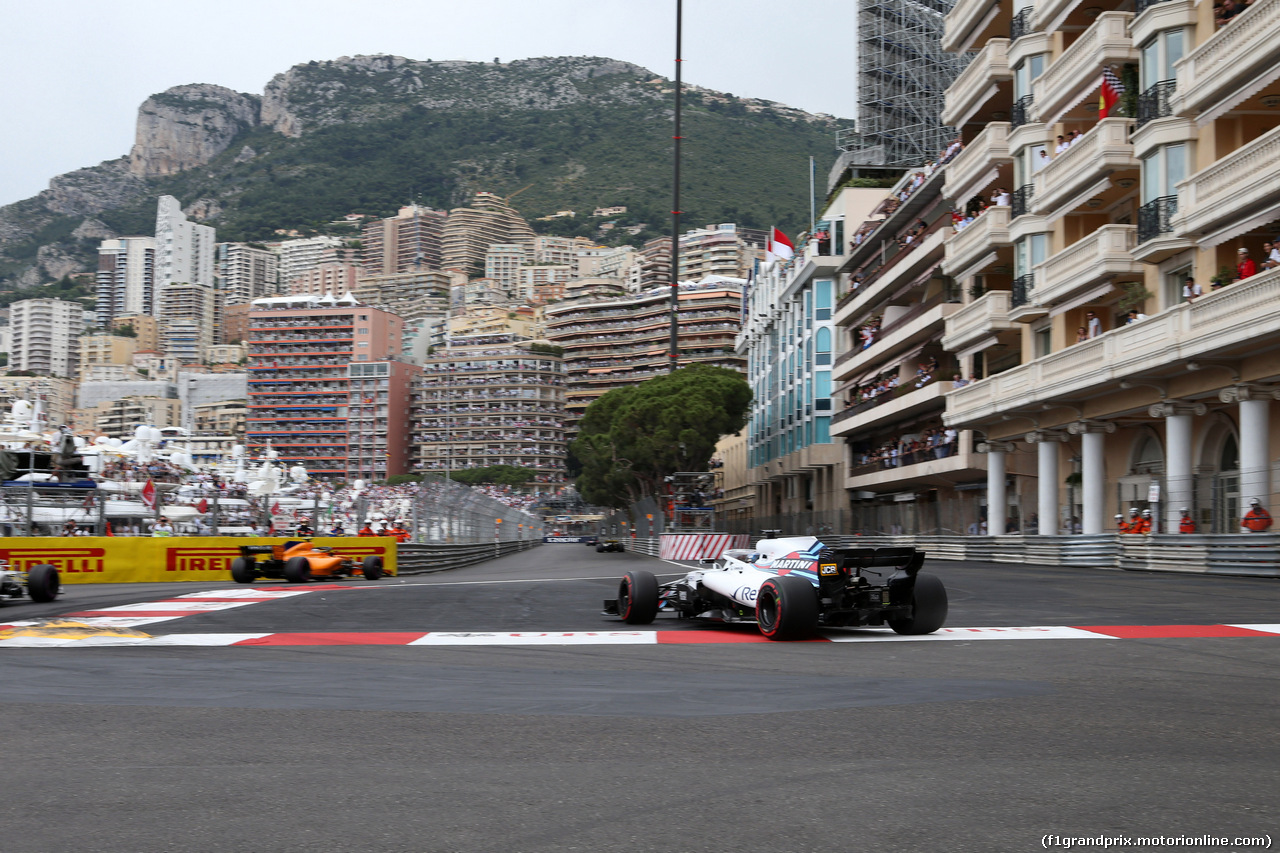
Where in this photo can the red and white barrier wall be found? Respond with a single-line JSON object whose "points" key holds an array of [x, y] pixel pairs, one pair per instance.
{"points": [[699, 546]]}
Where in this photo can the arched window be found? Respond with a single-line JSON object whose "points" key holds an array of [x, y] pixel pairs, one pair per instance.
{"points": [[1150, 456]]}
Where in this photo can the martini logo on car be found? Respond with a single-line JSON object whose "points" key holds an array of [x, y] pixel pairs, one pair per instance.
{"points": [[787, 563]]}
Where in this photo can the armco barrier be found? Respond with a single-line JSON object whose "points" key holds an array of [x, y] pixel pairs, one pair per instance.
{"points": [[424, 559], [120, 559], [1254, 554]]}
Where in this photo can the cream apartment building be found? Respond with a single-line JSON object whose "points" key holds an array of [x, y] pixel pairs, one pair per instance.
{"points": [[1175, 408]]}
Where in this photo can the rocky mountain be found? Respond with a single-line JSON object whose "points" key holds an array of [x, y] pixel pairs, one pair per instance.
{"points": [[367, 134]]}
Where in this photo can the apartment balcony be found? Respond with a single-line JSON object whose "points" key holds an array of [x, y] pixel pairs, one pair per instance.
{"points": [[1234, 193], [1023, 307], [1231, 64], [1088, 265], [1152, 16], [979, 164], [1084, 170], [978, 321], [904, 403], [1073, 76], [977, 84], [925, 468], [974, 249], [918, 325], [1156, 238], [971, 23], [1160, 346], [901, 268]]}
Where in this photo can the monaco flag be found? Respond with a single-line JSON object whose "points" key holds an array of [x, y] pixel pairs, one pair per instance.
{"points": [[149, 494], [275, 508], [779, 247], [203, 506]]}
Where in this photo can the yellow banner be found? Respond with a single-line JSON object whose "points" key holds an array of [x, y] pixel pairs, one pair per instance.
{"points": [[130, 559]]}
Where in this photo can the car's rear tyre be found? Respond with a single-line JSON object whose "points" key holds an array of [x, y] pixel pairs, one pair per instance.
{"points": [[242, 570], [371, 568], [43, 582], [638, 598], [297, 570], [599, 549], [928, 607], [787, 608]]}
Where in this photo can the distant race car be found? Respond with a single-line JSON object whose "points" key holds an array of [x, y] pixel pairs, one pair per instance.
{"points": [[299, 562], [604, 545], [793, 586], [40, 582], [590, 540]]}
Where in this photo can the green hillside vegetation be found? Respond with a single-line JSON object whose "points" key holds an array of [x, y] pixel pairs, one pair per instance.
{"points": [[381, 150]]}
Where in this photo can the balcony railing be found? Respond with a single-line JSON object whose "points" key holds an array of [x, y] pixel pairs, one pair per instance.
{"points": [[1022, 287], [1143, 5], [1156, 217], [1155, 102], [1022, 111], [1021, 24], [1022, 199]]}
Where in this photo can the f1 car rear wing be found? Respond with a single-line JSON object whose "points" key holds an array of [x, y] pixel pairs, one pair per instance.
{"points": [[876, 564]]}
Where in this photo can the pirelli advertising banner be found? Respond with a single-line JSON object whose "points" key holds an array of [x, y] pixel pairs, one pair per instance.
{"points": [[120, 559]]}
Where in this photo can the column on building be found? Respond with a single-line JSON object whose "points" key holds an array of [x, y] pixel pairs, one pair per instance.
{"points": [[1046, 442], [1255, 466], [1178, 483], [1093, 473], [997, 495]]}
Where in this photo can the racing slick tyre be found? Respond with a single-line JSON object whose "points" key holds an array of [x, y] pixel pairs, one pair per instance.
{"points": [[928, 607], [600, 549], [787, 608], [242, 570], [371, 568], [43, 583], [638, 598], [297, 570]]}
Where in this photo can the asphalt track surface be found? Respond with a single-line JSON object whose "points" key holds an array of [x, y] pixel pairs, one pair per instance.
{"points": [[914, 746]]}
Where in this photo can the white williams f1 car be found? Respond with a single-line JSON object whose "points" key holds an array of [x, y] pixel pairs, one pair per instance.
{"points": [[792, 587]]}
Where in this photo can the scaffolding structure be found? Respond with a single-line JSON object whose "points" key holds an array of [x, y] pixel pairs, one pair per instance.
{"points": [[902, 75]]}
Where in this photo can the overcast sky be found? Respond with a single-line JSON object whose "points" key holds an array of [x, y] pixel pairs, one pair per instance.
{"points": [[73, 72]]}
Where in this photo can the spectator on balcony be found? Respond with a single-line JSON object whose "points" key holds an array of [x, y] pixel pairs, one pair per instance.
{"points": [[1191, 291], [1061, 146], [1134, 316], [1270, 256], [1093, 324], [1224, 13], [1082, 335], [1245, 266], [1001, 197], [1042, 159]]}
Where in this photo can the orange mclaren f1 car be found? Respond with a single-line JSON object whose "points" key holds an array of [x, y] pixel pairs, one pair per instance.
{"points": [[299, 562]]}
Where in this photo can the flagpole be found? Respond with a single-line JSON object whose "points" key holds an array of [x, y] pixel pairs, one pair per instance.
{"points": [[674, 352], [813, 200]]}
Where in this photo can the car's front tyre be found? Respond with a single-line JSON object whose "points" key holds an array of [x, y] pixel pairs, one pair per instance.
{"points": [[787, 608], [43, 582], [928, 607], [372, 568], [638, 598]]}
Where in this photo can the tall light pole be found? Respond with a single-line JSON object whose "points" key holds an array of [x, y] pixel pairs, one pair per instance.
{"points": [[674, 352]]}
